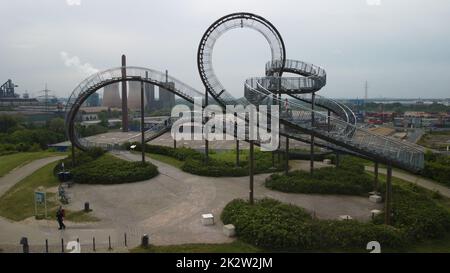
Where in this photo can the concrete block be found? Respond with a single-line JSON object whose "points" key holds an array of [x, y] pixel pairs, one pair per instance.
{"points": [[207, 219], [345, 217], [229, 230], [375, 198]]}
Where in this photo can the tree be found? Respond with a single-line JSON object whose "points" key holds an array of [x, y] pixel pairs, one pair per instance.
{"points": [[8, 122], [57, 125]]}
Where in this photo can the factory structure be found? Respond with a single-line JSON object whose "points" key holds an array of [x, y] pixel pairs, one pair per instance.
{"points": [[8, 96]]}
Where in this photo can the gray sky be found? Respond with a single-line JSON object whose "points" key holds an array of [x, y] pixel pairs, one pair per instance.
{"points": [[402, 47]]}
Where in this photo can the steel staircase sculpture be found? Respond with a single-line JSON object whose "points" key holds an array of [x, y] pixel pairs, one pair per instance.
{"points": [[337, 132]]}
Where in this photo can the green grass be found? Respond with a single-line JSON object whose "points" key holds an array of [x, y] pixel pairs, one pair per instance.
{"points": [[18, 202], [12, 161], [79, 216], [234, 247], [166, 159], [229, 155], [429, 246]]}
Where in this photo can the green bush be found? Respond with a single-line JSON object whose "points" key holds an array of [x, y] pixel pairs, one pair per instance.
{"points": [[437, 167], [81, 157], [418, 215], [350, 178], [181, 153], [214, 168], [274, 225], [111, 170], [194, 161]]}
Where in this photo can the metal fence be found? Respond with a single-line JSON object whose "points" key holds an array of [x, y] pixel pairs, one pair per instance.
{"points": [[116, 242]]}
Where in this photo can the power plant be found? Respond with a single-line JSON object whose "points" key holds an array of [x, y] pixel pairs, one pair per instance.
{"points": [[155, 98], [134, 95], [111, 96]]}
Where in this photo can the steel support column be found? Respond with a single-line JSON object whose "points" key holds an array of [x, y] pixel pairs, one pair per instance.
{"points": [[375, 186], [286, 166], [142, 124], [311, 165], [237, 152], [124, 96], [388, 196], [73, 155], [251, 171], [205, 121]]}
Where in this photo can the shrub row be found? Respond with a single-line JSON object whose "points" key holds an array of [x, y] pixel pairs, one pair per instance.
{"points": [[437, 167], [194, 161], [350, 178], [274, 225], [81, 157], [271, 224], [110, 170], [214, 168], [419, 216], [181, 153]]}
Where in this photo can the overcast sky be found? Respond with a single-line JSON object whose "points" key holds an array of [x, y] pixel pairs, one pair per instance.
{"points": [[401, 47]]}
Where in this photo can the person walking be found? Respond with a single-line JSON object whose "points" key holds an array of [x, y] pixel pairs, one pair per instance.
{"points": [[60, 214]]}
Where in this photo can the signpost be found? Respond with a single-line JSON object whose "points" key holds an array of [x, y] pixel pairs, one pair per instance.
{"points": [[40, 198]]}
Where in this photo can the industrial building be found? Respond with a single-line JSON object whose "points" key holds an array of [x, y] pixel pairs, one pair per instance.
{"points": [[155, 98], [134, 95], [8, 97]]}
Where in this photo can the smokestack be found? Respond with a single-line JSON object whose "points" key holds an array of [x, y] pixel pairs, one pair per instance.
{"points": [[124, 96], [167, 76]]}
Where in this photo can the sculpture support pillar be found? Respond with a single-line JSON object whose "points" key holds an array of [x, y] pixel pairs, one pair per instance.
{"points": [[124, 96], [251, 171], [142, 124], [311, 165], [388, 196]]}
